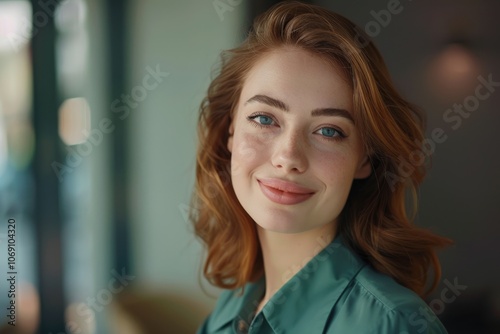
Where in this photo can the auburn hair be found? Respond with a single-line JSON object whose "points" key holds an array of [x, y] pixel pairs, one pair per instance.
{"points": [[376, 221]]}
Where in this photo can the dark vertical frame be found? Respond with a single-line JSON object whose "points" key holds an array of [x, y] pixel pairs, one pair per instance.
{"points": [[116, 18], [47, 213]]}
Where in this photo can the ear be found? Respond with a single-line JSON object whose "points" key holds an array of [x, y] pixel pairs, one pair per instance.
{"points": [[364, 169], [230, 138]]}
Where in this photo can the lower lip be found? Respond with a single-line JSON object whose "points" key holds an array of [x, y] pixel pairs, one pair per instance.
{"points": [[282, 197]]}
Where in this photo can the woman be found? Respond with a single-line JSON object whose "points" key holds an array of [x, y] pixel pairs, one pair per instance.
{"points": [[300, 198]]}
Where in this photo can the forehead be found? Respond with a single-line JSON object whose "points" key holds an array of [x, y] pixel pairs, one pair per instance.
{"points": [[301, 79]]}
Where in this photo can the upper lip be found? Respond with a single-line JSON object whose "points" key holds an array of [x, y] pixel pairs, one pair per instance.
{"points": [[287, 186]]}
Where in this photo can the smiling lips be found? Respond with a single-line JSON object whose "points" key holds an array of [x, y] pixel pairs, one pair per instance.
{"points": [[284, 192]]}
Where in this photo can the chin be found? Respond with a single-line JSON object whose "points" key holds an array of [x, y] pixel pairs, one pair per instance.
{"points": [[280, 225], [281, 229]]}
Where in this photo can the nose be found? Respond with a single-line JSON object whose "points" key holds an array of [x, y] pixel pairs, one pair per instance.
{"points": [[290, 153]]}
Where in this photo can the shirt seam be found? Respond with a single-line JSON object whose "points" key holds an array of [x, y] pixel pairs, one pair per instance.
{"points": [[390, 309]]}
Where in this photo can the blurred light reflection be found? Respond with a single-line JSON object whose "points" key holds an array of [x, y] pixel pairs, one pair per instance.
{"points": [[453, 72], [74, 121], [15, 25]]}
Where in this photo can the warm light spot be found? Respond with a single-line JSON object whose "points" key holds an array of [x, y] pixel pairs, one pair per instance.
{"points": [[80, 319], [453, 72], [74, 121], [28, 303], [457, 62]]}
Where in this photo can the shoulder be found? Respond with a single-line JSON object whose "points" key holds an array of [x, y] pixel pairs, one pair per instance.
{"points": [[385, 291], [224, 311], [376, 303], [233, 306]]}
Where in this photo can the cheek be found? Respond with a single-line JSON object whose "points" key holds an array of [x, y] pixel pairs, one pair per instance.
{"points": [[248, 151], [335, 168]]}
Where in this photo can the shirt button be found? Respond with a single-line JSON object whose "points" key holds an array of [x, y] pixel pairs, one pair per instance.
{"points": [[242, 326]]}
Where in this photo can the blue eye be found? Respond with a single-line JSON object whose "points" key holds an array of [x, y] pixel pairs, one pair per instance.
{"points": [[264, 120], [329, 132]]}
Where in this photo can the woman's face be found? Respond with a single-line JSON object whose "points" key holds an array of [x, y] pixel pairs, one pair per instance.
{"points": [[293, 123]]}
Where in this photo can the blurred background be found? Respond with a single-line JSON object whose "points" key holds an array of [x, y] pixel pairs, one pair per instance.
{"points": [[98, 108]]}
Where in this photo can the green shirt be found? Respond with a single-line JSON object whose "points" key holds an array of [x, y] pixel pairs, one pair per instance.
{"points": [[335, 292]]}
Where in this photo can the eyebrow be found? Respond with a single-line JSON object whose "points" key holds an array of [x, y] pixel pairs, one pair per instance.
{"points": [[315, 112]]}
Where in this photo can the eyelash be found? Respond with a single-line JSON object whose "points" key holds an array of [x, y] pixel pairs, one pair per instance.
{"points": [[341, 136]]}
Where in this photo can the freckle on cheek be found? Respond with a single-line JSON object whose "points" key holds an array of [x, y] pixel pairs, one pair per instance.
{"points": [[255, 141], [247, 149]]}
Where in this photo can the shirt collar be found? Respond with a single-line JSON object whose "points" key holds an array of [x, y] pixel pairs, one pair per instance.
{"points": [[320, 282]]}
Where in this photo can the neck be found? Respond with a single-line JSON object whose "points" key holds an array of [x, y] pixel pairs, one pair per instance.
{"points": [[285, 254]]}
